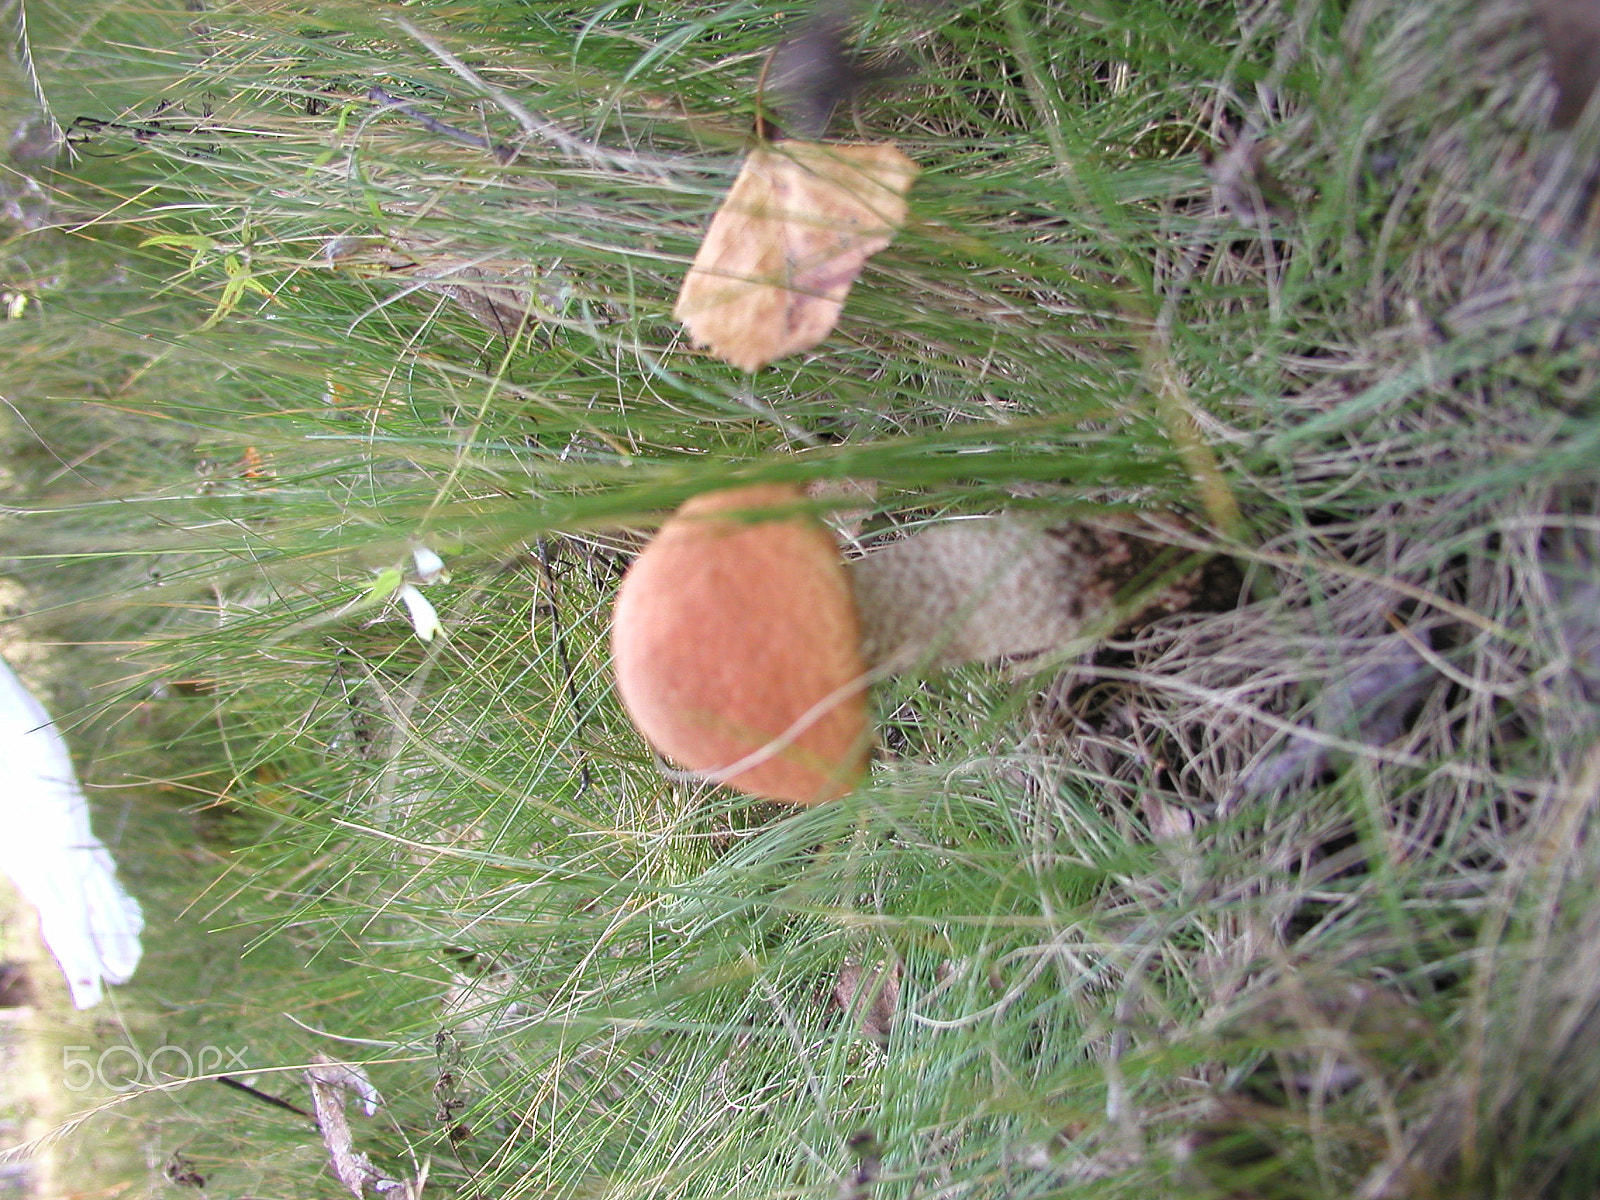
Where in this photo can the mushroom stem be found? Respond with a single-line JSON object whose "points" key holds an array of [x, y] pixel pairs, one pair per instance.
{"points": [[989, 587]]}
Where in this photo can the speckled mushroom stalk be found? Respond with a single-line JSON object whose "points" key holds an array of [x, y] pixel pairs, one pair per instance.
{"points": [[743, 645], [991, 587]]}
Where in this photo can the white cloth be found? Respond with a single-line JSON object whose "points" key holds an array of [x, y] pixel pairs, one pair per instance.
{"points": [[90, 924]]}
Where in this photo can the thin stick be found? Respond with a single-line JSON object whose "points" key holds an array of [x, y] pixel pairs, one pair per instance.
{"points": [[500, 150], [264, 1097]]}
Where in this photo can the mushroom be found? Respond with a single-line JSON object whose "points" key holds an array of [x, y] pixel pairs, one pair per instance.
{"points": [[743, 644], [737, 649]]}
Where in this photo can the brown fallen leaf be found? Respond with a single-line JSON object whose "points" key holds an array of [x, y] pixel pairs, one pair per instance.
{"points": [[869, 1160], [1571, 31], [870, 996], [796, 228], [814, 71], [179, 1169], [1242, 184], [1369, 702]]}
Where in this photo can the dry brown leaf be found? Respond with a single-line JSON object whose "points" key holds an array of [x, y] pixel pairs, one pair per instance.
{"points": [[870, 996], [1368, 701], [1571, 31], [869, 1160], [796, 228]]}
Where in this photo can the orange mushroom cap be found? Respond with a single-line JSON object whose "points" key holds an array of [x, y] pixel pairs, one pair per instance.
{"points": [[736, 647]]}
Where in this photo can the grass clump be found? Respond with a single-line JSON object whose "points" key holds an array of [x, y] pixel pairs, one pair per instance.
{"points": [[1286, 900]]}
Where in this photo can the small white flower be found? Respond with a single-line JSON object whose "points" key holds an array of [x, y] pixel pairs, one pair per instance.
{"points": [[424, 617], [429, 566]]}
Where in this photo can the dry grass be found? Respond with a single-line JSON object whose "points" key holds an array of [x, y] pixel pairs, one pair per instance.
{"points": [[1424, 632]]}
